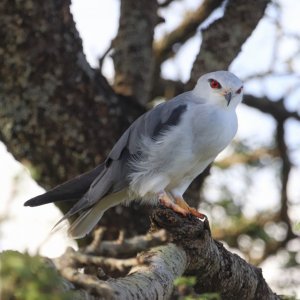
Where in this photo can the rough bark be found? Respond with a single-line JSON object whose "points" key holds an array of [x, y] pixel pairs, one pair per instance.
{"points": [[223, 39], [53, 105], [133, 54], [192, 251], [151, 279], [58, 116], [125, 247], [216, 269]]}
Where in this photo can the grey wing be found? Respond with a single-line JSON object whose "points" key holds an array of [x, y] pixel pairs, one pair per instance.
{"points": [[115, 175], [150, 124]]}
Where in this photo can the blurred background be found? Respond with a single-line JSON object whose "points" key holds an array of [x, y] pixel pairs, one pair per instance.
{"points": [[252, 196]]}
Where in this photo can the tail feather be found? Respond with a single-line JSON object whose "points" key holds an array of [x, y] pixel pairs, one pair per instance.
{"points": [[70, 190], [89, 219]]}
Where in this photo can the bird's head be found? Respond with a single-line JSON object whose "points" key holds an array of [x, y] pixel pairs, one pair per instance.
{"points": [[221, 88]]}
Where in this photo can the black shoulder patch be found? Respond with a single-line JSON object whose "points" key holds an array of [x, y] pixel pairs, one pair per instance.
{"points": [[108, 162], [172, 120]]}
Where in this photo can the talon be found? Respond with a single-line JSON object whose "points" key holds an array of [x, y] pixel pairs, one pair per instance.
{"points": [[181, 203], [167, 201], [197, 214]]}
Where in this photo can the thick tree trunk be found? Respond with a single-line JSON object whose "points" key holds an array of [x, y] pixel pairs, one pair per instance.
{"points": [[58, 116]]}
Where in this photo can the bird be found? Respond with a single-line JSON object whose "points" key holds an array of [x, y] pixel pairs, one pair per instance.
{"points": [[158, 156]]}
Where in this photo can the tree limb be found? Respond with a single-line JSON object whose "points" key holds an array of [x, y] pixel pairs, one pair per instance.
{"points": [[171, 88], [133, 52], [185, 30], [217, 269], [127, 247], [163, 48], [193, 252], [223, 39], [245, 157], [274, 108], [285, 172], [151, 279], [166, 3]]}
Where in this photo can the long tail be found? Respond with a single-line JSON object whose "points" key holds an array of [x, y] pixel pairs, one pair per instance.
{"points": [[70, 190], [88, 220]]}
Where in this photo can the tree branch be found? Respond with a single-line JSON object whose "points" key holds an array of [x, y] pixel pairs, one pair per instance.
{"points": [[254, 228], [223, 39], [163, 48], [166, 3], [245, 158], [285, 172], [151, 279], [193, 251], [275, 108], [217, 269], [127, 247], [171, 88], [133, 52]]}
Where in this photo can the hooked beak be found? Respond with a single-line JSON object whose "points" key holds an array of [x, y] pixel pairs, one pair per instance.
{"points": [[228, 97]]}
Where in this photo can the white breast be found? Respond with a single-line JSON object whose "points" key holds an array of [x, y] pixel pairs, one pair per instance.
{"points": [[184, 151]]}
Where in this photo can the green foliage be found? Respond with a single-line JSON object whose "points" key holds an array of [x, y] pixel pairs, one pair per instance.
{"points": [[187, 281], [184, 287], [206, 296], [30, 278], [296, 227], [292, 260], [232, 209], [283, 297]]}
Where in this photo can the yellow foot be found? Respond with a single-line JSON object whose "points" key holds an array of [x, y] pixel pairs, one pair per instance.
{"points": [[181, 203], [167, 201]]}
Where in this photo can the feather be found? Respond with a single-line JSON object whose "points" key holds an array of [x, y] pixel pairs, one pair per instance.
{"points": [[70, 190], [88, 219]]}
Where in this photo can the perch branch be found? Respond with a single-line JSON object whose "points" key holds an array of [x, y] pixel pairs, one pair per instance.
{"points": [[193, 251], [216, 269]]}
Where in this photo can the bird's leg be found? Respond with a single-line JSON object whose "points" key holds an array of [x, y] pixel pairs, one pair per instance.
{"points": [[167, 200], [181, 203]]}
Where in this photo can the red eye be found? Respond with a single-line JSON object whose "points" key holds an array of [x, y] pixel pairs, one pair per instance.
{"points": [[214, 84], [239, 90]]}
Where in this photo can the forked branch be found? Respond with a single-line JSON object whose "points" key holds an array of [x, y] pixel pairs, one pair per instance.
{"points": [[191, 251]]}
